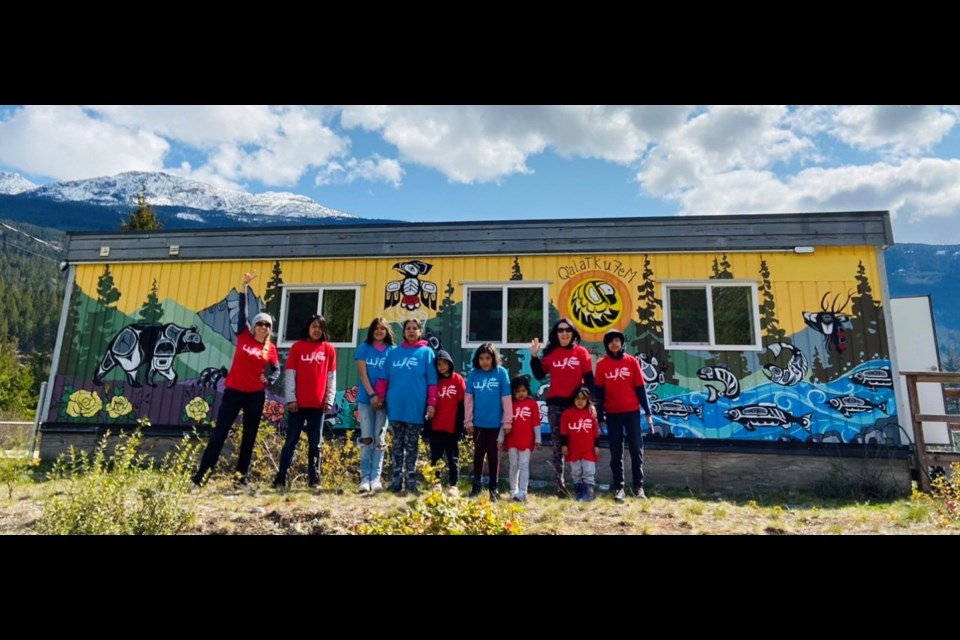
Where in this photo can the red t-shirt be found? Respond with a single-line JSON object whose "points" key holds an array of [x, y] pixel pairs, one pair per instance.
{"points": [[581, 431], [312, 361], [248, 364], [450, 392], [526, 420], [619, 379], [566, 368]]}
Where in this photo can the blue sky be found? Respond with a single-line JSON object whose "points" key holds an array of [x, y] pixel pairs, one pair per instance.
{"points": [[435, 163]]}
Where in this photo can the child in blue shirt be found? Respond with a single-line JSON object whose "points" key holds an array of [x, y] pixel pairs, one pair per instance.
{"points": [[488, 408]]}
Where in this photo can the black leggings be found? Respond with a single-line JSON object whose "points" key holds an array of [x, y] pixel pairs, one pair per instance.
{"points": [[485, 444]]}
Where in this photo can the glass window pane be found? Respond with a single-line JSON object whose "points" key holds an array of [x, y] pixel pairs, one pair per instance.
{"points": [[338, 308], [688, 316], [485, 323], [732, 316], [300, 306], [524, 314]]}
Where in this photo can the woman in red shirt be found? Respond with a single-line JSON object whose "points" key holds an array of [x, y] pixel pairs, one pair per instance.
{"points": [[570, 367], [255, 367]]}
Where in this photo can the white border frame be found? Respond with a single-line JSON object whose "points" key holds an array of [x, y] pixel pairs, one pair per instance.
{"points": [[283, 343], [667, 285], [503, 286]]}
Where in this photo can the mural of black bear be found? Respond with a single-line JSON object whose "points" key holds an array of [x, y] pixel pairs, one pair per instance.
{"points": [[136, 344]]}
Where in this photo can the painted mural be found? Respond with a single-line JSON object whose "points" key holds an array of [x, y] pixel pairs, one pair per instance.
{"points": [[155, 340]]}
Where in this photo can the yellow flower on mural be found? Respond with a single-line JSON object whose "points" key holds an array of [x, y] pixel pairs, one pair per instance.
{"points": [[197, 409], [84, 403], [119, 406]]}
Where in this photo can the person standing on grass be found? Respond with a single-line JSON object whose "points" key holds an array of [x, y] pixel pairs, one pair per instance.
{"points": [[523, 438], [620, 393], [371, 362], [447, 424], [310, 386], [580, 441], [488, 408], [570, 367], [410, 388], [255, 367]]}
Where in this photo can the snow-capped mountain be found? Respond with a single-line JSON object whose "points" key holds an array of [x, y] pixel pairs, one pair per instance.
{"points": [[165, 190], [14, 183]]}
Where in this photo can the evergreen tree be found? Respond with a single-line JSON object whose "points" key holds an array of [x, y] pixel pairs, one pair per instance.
{"points": [[17, 399], [272, 296], [516, 275], [869, 334], [152, 310], [143, 218], [769, 325]]}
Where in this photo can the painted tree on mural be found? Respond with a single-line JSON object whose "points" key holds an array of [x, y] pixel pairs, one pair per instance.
{"points": [[104, 325], [152, 310], [818, 372], [271, 297], [769, 325], [649, 338], [80, 346], [509, 356], [867, 339], [515, 274], [447, 322], [732, 360]]}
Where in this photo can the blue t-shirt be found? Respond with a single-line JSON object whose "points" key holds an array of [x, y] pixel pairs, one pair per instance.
{"points": [[487, 388], [409, 373], [376, 365]]}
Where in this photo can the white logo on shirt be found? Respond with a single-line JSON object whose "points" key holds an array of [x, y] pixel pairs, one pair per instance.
{"points": [[316, 356], [254, 351], [571, 362], [406, 363], [623, 373], [376, 362], [522, 413], [583, 424], [486, 383], [447, 392]]}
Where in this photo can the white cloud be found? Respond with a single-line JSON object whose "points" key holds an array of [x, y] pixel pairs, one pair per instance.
{"points": [[901, 130], [373, 169], [487, 143], [66, 143]]}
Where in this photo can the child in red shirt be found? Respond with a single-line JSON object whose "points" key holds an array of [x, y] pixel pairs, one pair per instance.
{"points": [[579, 441], [447, 423], [523, 438]]}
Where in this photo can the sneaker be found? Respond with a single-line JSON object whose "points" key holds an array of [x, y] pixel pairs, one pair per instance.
{"points": [[563, 492], [522, 497], [494, 496], [240, 481], [195, 488], [376, 485], [314, 484], [396, 486], [638, 493], [279, 485], [515, 496], [364, 487], [413, 489], [475, 491], [589, 493], [620, 495], [578, 492], [453, 492]]}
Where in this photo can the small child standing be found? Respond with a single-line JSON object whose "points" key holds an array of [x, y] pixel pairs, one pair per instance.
{"points": [[579, 440], [487, 409], [523, 437], [447, 424]]}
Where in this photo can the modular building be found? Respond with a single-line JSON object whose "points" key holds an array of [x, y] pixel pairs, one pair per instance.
{"points": [[763, 339]]}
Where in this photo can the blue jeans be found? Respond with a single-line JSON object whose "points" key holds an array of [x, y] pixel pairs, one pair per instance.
{"points": [[373, 425], [313, 420], [618, 425]]}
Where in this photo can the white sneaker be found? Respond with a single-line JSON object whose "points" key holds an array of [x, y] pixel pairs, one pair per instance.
{"points": [[194, 487], [453, 492], [364, 486], [376, 485]]}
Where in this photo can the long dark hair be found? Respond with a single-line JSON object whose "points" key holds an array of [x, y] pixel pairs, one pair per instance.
{"points": [[583, 391], [324, 332], [379, 322], [553, 341], [520, 382], [486, 347]]}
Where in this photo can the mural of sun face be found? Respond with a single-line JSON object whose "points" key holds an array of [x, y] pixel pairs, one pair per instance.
{"points": [[596, 301]]}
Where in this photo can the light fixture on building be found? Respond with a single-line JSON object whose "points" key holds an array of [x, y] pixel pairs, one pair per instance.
{"points": [[803, 249], [104, 251], [174, 249]]}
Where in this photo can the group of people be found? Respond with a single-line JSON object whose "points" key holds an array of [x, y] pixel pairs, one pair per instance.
{"points": [[408, 386]]}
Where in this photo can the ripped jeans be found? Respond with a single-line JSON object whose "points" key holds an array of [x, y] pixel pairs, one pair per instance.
{"points": [[373, 424]]}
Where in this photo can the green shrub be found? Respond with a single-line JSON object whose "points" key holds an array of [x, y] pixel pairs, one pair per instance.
{"points": [[439, 514], [123, 491]]}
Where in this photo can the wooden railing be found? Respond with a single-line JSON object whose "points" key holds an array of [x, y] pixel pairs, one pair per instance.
{"points": [[925, 457]]}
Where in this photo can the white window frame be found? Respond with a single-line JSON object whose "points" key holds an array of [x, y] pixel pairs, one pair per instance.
{"points": [[503, 286], [667, 285], [284, 343]]}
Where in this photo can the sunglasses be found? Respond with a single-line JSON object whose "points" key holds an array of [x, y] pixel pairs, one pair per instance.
{"points": [[564, 330], [263, 324]]}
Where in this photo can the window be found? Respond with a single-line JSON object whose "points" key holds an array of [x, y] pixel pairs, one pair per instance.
{"points": [[338, 305], [715, 315], [507, 315]]}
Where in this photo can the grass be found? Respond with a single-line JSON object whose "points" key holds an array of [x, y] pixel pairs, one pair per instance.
{"points": [[223, 509]]}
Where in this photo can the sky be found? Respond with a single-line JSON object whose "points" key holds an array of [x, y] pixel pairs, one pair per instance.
{"points": [[438, 163]]}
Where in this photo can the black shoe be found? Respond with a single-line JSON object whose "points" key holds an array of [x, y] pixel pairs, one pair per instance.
{"points": [[313, 484], [280, 485], [396, 486], [475, 491], [494, 496], [562, 492], [240, 481]]}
